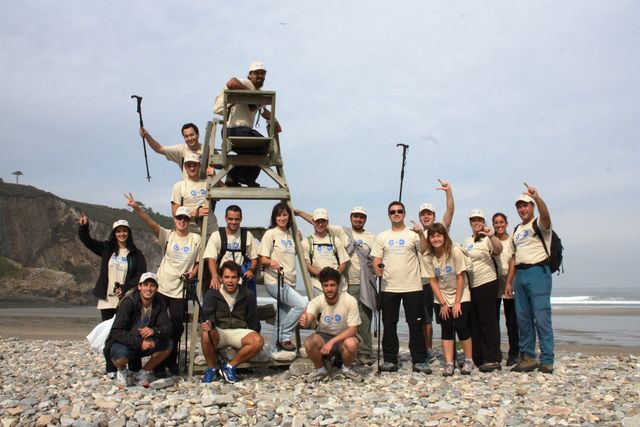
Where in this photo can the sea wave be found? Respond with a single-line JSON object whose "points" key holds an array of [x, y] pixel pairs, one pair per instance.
{"points": [[592, 300]]}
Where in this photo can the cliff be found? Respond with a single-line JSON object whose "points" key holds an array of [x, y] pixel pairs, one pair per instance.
{"points": [[39, 234]]}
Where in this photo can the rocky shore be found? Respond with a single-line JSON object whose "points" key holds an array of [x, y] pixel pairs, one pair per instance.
{"points": [[61, 383]]}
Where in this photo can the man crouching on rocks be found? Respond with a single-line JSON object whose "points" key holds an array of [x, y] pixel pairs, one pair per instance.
{"points": [[336, 334], [230, 321], [141, 328]]}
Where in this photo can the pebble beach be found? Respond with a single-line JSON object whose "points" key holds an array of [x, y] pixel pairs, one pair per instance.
{"points": [[61, 382]]}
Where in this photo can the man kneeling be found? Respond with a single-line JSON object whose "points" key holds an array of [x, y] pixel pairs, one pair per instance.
{"points": [[229, 321], [141, 328], [336, 334]]}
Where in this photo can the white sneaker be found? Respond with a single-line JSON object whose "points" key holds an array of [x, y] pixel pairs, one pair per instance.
{"points": [[142, 378], [121, 377]]}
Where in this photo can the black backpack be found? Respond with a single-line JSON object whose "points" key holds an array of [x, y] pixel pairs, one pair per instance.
{"points": [[223, 244], [555, 255]]}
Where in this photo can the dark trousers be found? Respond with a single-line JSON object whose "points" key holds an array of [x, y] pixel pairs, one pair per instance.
{"points": [[244, 174], [414, 314], [135, 364], [177, 308], [512, 325], [485, 334]]}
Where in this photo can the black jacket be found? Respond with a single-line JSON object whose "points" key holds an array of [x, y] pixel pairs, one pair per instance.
{"points": [[124, 329], [216, 310], [137, 264]]}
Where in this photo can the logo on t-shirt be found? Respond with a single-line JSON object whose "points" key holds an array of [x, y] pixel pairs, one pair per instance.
{"points": [[469, 246], [176, 247], [185, 249], [521, 235], [194, 192], [203, 192], [448, 269]]}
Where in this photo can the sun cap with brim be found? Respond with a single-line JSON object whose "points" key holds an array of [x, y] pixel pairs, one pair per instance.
{"points": [[476, 213], [426, 207], [148, 276], [524, 198], [183, 211], [192, 157], [320, 213], [121, 222], [257, 66], [359, 210]]}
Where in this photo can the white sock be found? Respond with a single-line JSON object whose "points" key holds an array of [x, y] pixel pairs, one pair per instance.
{"points": [[321, 370], [346, 368]]}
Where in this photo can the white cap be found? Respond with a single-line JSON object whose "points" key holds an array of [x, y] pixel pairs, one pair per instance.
{"points": [[148, 276], [192, 157], [426, 207], [524, 198], [320, 213], [476, 213], [120, 222], [359, 210], [257, 66], [182, 210]]}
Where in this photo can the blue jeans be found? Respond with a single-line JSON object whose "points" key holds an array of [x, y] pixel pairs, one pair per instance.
{"points": [[533, 310], [292, 305], [121, 351]]}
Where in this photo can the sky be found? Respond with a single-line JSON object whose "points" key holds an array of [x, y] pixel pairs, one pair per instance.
{"points": [[487, 95]]}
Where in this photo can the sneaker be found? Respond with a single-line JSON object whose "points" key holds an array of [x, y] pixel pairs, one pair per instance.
{"points": [[526, 364], [546, 368], [111, 375], [317, 375], [512, 361], [431, 356], [121, 378], [423, 368], [448, 370], [490, 367], [350, 374], [209, 375], [389, 367], [142, 378], [229, 373], [467, 367]]}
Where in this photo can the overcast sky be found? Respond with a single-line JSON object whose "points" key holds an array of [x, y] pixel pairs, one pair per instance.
{"points": [[487, 94]]}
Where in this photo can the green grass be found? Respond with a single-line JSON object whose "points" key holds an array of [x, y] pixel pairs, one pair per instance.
{"points": [[7, 269]]}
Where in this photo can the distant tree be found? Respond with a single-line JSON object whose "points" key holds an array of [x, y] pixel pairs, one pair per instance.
{"points": [[17, 174]]}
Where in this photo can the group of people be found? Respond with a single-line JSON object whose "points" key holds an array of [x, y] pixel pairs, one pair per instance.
{"points": [[355, 275]]}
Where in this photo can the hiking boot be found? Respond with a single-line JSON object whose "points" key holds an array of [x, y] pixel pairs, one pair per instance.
{"points": [[142, 378], [467, 367], [546, 368], [121, 378], [448, 370], [490, 367], [526, 364], [512, 361], [431, 356], [229, 373], [287, 346], [209, 375], [423, 368], [389, 367], [317, 375], [350, 374], [365, 360]]}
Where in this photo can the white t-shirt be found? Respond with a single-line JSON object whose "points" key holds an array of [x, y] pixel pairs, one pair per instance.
{"points": [[233, 243], [527, 247], [192, 194], [400, 254], [240, 114], [180, 255], [324, 256], [503, 265], [177, 153], [335, 319], [446, 270], [363, 239], [118, 267], [278, 245], [481, 253]]}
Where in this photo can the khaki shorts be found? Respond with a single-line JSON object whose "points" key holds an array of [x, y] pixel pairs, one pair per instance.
{"points": [[232, 337]]}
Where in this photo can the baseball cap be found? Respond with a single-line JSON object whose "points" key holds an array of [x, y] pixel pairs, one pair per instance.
{"points": [[148, 276], [427, 207], [120, 222], [320, 213], [192, 157], [257, 66], [524, 198], [359, 210], [182, 210], [476, 213]]}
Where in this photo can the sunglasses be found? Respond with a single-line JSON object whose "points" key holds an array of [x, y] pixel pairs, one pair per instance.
{"points": [[183, 218], [396, 211]]}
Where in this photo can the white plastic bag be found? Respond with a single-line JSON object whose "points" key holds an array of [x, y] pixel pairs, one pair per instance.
{"points": [[99, 334]]}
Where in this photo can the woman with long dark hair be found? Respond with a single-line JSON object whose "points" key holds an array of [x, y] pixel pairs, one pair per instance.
{"points": [[278, 257], [121, 266]]}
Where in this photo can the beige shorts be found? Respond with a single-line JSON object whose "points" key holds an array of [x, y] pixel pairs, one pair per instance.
{"points": [[232, 337]]}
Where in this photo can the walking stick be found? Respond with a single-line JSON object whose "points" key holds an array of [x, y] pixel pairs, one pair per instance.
{"points": [[379, 308], [280, 283], [405, 147], [144, 146]]}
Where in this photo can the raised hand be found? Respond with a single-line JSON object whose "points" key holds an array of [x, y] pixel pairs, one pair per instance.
{"points": [[131, 202], [444, 185], [531, 191], [84, 219]]}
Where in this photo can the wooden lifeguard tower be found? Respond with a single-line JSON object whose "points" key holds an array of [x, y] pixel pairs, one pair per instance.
{"points": [[268, 158]]}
